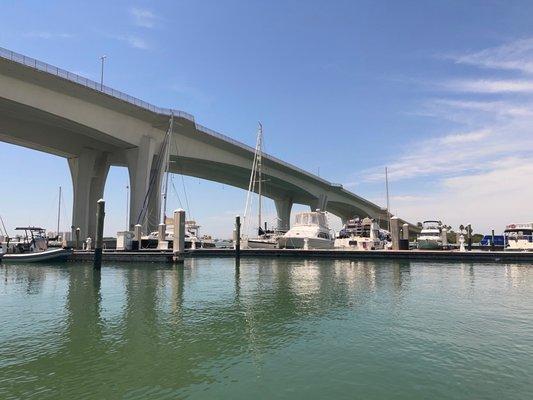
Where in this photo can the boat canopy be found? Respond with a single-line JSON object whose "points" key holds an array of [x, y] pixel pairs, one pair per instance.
{"points": [[311, 218]]}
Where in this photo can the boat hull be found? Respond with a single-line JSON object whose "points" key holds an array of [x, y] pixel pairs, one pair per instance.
{"points": [[261, 244], [41, 256], [358, 243], [299, 242]]}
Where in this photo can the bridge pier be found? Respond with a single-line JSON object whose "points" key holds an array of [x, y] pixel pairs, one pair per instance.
{"points": [[320, 203], [140, 162], [283, 209], [89, 173]]}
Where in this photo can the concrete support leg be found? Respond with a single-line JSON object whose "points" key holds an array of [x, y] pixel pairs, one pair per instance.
{"points": [[89, 173], [283, 208], [320, 203], [140, 162]]}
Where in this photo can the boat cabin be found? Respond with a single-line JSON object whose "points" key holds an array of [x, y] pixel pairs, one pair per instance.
{"points": [[311, 218]]}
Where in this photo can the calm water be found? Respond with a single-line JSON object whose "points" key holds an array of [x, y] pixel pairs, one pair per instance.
{"points": [[273, 329]]}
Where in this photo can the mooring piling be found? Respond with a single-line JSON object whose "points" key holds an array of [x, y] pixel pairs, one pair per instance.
{"points": [[237, 236], [99, 240], [178, 244], [395, 232], [137, 229]]}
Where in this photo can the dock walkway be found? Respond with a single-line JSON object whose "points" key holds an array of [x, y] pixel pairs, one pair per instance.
{"points": [[411, 255]]}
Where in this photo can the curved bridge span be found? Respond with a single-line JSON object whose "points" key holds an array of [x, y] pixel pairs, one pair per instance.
{"points": [[94, 127]]}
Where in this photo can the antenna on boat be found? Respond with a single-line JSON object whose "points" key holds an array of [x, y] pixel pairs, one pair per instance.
{"points": [[387, 191], [253, 178], [259, 172], [58, 212]]}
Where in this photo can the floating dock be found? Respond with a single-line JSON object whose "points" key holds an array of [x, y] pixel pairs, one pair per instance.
{"points": [[160, 256]]}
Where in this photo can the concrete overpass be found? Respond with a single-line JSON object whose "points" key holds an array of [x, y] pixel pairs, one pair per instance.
{"points": [[94, 127]]}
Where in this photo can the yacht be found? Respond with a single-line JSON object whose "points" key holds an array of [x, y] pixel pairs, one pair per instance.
{"points": [[361, 234], [518, 237], [432, 236], [309, 231]]}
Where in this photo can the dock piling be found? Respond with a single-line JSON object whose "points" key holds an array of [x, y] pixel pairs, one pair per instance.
{"points": [[492, 244], [162, 244], [237, 237], [395, 232], [77, 233], [178, 244], [100, 215], [137, 229]]}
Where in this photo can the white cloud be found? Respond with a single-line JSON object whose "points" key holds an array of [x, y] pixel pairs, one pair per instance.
{"points": [[517, 55], [459, 138], [48, 35], [143, 17], [133, 41], [491, 86], [483, 173], [487, 199]]}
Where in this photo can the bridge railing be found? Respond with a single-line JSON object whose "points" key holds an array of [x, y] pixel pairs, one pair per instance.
{"points": [[53, 70], [50, 69]]}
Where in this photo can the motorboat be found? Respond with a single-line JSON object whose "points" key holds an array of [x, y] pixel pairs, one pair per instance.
{"points": [[310, 231], [31, 247], [518, 237], [432, 236], [361, 234]]}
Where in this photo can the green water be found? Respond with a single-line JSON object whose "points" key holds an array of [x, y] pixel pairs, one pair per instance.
{"points": [[288, 329]]}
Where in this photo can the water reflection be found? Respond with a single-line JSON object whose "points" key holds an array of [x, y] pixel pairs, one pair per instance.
{"points": [[179, 326]]}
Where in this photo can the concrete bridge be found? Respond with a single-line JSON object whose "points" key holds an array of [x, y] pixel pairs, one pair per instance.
{"points": [[94, 127]]}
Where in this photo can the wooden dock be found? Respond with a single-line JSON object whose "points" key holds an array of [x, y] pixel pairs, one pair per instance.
{"points": [[159, 256]]}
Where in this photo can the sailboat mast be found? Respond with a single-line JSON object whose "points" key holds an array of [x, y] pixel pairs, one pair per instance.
{"points": [[58, 211], [166, 169], [387, 190], [259, 172]]}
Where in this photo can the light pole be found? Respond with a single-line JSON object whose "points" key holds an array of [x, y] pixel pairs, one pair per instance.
{"points": [[102, 59]]}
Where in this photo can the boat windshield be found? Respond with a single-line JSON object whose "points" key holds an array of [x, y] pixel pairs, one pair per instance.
{"points": [[436, 234]]}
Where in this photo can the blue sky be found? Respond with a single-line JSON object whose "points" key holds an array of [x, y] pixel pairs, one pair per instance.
{"points": [[441, 92]]}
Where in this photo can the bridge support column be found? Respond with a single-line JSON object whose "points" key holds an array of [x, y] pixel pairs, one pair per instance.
{"points": [[320, 203], [140, 167], [283, 208], [89, 173]]}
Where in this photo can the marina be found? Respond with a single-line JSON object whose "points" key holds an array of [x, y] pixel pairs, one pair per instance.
{"points": [[363, 228]]}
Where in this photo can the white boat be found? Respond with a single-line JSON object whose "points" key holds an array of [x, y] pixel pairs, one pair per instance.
{"points": [[310, 231], [31, 247], [192, 236], [360, 234], [432, 236], [518, 237]]}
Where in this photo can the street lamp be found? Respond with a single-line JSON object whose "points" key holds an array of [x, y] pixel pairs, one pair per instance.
{"points": [[102, 59]]}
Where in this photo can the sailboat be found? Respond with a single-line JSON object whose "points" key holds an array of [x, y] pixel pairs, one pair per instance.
{"points": [[265, 239]]}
